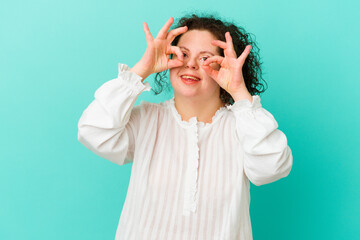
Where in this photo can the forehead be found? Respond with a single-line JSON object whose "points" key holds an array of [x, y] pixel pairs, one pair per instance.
{"points": [[198, 40]]}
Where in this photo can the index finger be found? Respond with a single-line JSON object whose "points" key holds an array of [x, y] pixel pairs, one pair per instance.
{"points": [[163, 32], [214, 59], [175, 32]]}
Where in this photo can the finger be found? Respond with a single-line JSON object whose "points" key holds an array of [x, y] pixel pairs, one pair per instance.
{"points": [[148, 34], [175, 63], [175, 32], [176, 50], [213, 59], [210, 71], [230, 46], [163, 32], [219, 43], [244, 54]]}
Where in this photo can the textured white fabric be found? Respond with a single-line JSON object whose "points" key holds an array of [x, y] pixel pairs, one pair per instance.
{"points": [[189, 180]]}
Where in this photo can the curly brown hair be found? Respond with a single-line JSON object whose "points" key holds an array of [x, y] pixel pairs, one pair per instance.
{"points": [[252, 66]]}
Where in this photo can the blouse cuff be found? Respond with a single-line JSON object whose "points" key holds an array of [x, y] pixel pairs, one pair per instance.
{"points": [[131, 79], [245, 105]]}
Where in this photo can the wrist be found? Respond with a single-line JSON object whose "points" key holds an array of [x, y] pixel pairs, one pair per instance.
{"points": [[241, 96], [140, 69]]}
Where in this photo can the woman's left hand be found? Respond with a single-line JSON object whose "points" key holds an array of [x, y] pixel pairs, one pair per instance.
{"points": [[229, 76]]}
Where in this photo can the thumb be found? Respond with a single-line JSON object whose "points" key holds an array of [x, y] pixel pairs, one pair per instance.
{"points": [[210, 71], [172, 63]]}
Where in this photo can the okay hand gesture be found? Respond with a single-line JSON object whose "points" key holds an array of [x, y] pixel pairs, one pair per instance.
{"points": [[229, 76], [156, 57]]}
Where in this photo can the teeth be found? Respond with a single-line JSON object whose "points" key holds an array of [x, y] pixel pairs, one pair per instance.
{"points": [[188, 77]]}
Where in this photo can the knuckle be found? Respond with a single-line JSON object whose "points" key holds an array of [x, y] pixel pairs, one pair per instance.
{"points": [[171, 33]]}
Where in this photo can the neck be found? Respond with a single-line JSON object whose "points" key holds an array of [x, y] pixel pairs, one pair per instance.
{"points": [[203, 109]]}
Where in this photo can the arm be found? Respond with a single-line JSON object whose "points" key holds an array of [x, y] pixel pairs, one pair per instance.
{"points": [[267, 156], [108, 126]]}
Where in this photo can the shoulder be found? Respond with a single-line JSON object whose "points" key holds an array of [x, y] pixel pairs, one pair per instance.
{"points": [[146, 108]]}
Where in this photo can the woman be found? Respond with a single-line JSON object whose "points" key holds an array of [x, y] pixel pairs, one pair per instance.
{"points": [[193, 155]]}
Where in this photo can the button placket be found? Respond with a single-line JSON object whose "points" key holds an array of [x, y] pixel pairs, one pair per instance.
{"points": [[191, 186]]}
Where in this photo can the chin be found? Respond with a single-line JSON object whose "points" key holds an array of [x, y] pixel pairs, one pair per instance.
{"points": [[187, 94]]}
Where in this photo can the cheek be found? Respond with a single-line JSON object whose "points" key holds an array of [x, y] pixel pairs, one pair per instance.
{"points": [[173, 73], [210, 83]]}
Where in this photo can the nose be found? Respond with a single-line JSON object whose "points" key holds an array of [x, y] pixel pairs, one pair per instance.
{"points": [[192, 63]]}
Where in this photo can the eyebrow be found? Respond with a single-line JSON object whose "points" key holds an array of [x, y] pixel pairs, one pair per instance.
{"points": [[200, 52]]}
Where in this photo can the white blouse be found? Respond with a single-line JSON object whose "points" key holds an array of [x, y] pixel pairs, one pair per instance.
{"points": [[189, 180]]}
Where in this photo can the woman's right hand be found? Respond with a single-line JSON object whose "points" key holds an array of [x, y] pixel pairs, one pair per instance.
{"points": [[156, 57]]}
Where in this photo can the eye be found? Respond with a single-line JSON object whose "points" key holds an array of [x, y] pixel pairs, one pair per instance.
{"points": [[203, 59], [176, 56]]}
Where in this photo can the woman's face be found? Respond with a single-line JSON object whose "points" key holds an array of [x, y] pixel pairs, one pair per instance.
{"points": [[196, 47]]}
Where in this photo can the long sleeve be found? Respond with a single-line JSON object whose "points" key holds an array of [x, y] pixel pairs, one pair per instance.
{"points": [[267, 156], [108, 126]]}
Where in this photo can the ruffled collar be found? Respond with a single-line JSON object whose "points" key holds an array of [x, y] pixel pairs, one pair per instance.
{"points": [[192, 121]]}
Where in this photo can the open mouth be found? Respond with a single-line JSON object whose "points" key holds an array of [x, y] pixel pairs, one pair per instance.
{"points": [[189, 78]]}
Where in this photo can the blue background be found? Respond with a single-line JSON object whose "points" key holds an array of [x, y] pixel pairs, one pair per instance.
{"points": [[55, 54]]}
